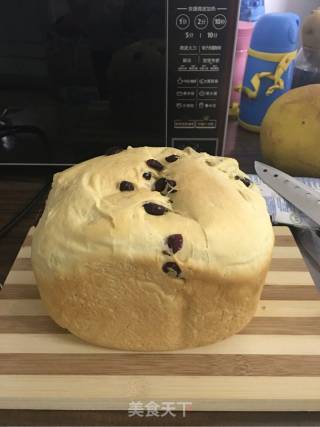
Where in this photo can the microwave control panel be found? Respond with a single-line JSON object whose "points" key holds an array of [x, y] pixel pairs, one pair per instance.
{"points": [[197, 84]]}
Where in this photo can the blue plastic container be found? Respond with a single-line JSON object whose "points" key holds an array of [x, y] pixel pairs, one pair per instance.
{"points": [[251, 10], [270, 66]]}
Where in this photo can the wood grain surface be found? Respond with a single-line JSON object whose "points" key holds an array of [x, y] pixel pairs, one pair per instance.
{"points": [[273, 364]]}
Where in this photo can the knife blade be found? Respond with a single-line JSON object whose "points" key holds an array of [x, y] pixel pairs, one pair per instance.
{"points": [[306, 199], [309, 244]]}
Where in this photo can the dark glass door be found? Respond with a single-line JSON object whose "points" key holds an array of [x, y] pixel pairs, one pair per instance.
{"points": [[80, 76]]}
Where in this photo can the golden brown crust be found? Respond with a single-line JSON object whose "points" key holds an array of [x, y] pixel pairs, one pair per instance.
{"points": [[98, 256]]}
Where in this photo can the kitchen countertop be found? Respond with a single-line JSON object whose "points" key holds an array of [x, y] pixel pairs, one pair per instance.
{"points": [[16, 189]]}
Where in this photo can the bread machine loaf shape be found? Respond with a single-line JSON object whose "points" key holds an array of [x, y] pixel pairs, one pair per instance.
{"points": [[153, 249]]}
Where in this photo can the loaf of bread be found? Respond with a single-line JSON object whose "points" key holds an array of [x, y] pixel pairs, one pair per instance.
{"points": [[153, 249]]}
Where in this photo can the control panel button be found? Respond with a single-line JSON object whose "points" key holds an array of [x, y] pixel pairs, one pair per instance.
{"points": [[184, 124], [188, 48], [183, 21], [206, 124], [207, 105], [210, 60], [207, 93], [219, 22], [201, 21], [187, 93], [186, 82], [187, 60], [185, 105], [211, 48], [208, 82]]}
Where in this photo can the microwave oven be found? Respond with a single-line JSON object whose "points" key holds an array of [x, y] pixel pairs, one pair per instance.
{"points": [[81, 76]]}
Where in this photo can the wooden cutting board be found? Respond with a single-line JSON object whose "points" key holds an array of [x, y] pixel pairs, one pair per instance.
{"points": [[272, 365]]}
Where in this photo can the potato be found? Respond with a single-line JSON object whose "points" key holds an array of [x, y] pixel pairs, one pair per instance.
{"points": [[290, 132]]}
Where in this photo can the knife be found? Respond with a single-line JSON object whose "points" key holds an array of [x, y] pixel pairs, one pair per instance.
{"points": [[306, 199]]}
